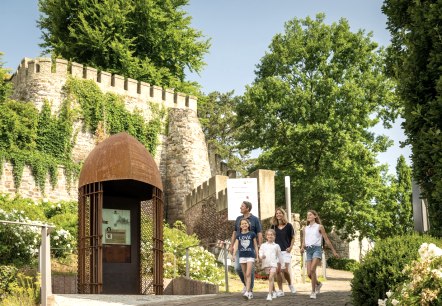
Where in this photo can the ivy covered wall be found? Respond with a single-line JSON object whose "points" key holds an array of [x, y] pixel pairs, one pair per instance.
{"points": [[59, 111]]}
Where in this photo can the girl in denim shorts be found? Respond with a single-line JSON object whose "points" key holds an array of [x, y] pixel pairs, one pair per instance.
{"points": [[314, 232], [247, 246]]}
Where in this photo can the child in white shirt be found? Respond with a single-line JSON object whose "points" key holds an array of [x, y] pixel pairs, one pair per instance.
{"points": [[270, 254]]}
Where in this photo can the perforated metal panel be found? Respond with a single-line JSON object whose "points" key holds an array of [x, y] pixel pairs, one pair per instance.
{"points": [[151, 244], [89, 238], [90, 249]]}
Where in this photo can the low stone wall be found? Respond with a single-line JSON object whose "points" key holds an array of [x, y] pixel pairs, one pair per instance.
{"points": [[64, 284], [186, 286]]}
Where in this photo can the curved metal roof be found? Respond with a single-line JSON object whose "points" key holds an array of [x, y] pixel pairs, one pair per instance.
{"points": [[120, 157]]}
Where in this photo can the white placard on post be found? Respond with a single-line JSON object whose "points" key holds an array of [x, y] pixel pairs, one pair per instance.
{"points": [[239, 190], [288, 199]]}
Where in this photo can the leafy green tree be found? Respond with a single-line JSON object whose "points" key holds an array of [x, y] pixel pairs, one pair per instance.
{"points": [[394, 204], [415, 61], [403, 196], [148, 40], [18, 125], [5, 87], [317, 92], [217, 115]]}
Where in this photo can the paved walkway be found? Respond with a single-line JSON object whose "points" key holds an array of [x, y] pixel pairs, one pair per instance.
{"points": [[335, 291]]}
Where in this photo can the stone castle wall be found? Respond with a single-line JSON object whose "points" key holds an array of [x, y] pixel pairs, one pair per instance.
{"points": [[181, 155], [206, 211], [29, 189]]}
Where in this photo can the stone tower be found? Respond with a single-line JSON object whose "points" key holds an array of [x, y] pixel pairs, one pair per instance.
{"points": [[181, 155]]}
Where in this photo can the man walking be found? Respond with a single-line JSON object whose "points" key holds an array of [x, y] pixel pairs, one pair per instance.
{"points": [[255, 226]]}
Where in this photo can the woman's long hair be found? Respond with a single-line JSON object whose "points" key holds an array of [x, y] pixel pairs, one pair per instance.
{"points": [[317, 219], [284, 218]]}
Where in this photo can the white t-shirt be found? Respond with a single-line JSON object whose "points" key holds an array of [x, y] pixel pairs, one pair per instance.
{"points": [[312, 235], [272, 252]]}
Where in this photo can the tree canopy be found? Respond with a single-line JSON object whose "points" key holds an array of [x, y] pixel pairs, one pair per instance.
{"points": [[148, 40], [415, 61], [5, 87], [216, 113], [317, 91]]}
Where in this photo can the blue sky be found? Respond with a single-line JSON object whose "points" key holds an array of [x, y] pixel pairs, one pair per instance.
{"points": [[240, 33]]}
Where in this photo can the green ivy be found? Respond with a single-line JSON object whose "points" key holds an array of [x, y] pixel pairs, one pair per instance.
{"points": [[43, 140], [18, 164], [2, 161], [109, 108]]}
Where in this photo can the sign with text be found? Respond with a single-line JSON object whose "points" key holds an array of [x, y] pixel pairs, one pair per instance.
{"points": [[239, 190], [116, 226]]}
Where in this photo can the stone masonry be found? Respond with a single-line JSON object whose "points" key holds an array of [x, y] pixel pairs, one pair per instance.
{"points": [[181, 156], [206, 211]]}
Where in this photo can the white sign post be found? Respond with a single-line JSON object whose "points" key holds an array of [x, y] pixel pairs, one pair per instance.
{"points": [[239, 190], [288, 200]]}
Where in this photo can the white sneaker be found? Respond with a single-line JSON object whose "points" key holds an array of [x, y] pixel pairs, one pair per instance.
{"points": [[269, 297], [274, 295], [292, 289], [279, 293], [318, 288], [246, 295], [250, 295], [313, 295], [244, 289]]}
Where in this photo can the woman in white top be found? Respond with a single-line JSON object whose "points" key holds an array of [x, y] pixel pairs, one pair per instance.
{"points": [[312, 245]]}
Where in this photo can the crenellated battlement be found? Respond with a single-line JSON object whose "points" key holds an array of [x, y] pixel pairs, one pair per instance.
{"points": [[180, 153], [216, 186], [31, 70]]}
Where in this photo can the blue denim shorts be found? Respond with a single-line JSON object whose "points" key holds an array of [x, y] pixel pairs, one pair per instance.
{"points": [[314, 251]]}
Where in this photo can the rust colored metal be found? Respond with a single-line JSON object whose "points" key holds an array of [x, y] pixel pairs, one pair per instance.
{"points": [[118, 166], [158, 241], [90, 260], [120, 157]]}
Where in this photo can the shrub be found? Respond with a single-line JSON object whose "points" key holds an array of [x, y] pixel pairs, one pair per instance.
{"points": [[62, 243], [202, 264], [8, 275], [29, 209], [342, 264], [24, 290], [18, 243], [64, 215], [423, 285], [382, 267]]}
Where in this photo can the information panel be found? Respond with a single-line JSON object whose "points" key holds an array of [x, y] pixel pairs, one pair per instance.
{"points": [[239, 190], [116, 226]]}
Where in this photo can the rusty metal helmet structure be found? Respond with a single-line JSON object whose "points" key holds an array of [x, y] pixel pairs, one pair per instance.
{"points": [[120, 181]]}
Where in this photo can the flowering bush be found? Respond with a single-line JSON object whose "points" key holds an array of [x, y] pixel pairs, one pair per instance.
{"points": [[18, 244], [423, 285], [203, 266], [202, 263], [62, 243], [63, 214], [382, 268]]}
